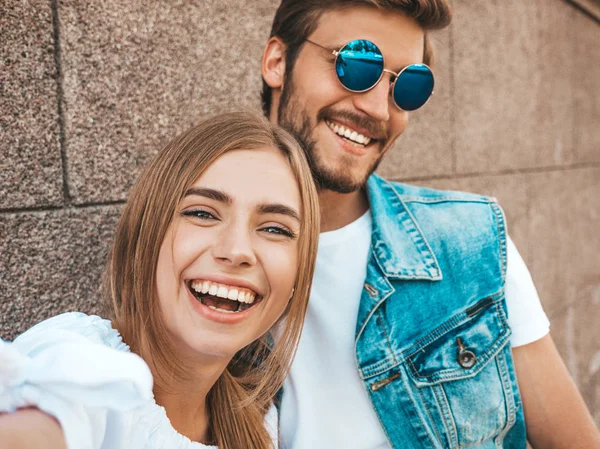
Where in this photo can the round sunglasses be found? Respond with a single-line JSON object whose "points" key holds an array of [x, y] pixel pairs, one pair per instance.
{"points": [[359, 67]]}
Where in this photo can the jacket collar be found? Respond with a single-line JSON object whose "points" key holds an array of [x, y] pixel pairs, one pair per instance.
{"points": [[399, 246]]}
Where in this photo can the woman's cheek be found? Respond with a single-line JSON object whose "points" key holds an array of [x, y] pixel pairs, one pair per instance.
{"points": [[191, 243], [284, 268]]}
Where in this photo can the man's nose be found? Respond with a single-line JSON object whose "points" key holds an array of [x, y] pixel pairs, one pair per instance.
{"points": [[375, 102], [233, 247]]}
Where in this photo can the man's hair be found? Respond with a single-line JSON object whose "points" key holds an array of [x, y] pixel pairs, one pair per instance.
{"points": [[295, 20]]}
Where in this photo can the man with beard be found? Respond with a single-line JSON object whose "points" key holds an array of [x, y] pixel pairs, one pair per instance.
{"points": [[422, 314]]}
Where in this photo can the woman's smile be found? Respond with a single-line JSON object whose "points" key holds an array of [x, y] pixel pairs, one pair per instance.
{"points": [[222, 297], [221, 310], [226, 299]]}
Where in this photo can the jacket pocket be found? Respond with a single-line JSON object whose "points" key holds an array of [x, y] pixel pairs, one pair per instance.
{"points": [[461, 379]]}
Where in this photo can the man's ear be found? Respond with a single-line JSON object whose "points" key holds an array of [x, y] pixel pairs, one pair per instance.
{"points": [[273, 63]]}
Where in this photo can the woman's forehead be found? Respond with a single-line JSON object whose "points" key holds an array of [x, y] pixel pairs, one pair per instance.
{"points": [[253, 176]]}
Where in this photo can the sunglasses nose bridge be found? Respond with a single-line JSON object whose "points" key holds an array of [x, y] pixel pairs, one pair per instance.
{"points": [[393, 78]]}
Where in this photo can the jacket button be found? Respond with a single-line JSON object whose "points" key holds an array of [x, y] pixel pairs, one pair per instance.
{"points": [[466, 359]]}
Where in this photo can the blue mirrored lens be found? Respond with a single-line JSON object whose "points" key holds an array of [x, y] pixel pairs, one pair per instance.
{"points": [[413, 87], [359, 65]]}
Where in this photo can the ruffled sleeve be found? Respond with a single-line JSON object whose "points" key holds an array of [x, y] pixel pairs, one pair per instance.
{"points": [[76, 368]]}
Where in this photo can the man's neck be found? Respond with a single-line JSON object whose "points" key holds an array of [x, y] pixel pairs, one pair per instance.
{"points": [[341, 209]]}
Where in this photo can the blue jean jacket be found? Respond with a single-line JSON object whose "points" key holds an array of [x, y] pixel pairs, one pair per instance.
{"points": [[432, 339]]}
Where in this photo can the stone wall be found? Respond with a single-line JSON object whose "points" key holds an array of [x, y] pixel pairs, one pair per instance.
{"points": [[90, 91]]}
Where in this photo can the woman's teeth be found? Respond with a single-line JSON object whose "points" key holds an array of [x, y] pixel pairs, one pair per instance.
{"points": [[224, 291], [349, 134], [221, 297]]}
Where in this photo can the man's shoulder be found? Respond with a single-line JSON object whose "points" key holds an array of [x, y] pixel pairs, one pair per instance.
{"points": [[419, 223], [450, 207], [439, 211], [414, 193], [425, 203]]}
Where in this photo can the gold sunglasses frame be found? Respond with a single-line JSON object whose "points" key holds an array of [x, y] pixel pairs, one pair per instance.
{"points": [[336, 53]]}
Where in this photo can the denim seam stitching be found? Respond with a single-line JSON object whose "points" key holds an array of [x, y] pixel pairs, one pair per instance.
{"points": [[411, 274], [387, 338], [418, 411], [430, 256], [410, 271], [510, 400], [501, 229], [433, 426], [501, 371], [453, 422], [502, 316], [380, 367], [437, 333], [444, 199], [420, 245], [374, 370], [368, 372], [445, 412], [444, 328], [488, 354], [448, 374]]}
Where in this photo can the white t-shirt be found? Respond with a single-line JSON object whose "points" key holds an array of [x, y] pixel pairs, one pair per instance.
{"points": [[325, 404]]}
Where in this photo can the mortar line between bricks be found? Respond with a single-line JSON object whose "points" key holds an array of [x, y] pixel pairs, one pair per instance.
{"points": [[423, 178], [517, 171], [60, 94], [37, 209], [98, 204]]}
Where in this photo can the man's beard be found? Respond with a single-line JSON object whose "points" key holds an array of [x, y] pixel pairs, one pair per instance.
{"points": [[292, 117]]}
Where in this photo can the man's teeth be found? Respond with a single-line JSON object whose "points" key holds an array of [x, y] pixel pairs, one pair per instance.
{"points": [[224, 291], [349, 134]]}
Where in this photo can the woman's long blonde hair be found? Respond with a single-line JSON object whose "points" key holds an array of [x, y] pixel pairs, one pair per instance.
{"points": [[240, 398]]}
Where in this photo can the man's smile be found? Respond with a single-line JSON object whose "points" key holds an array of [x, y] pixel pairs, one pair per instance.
{"points": [[348, 133]]}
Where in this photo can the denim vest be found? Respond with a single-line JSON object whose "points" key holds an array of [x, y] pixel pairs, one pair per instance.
{"points": [[432, 339]]}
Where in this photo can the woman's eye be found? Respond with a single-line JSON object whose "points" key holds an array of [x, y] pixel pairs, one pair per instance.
{"points": [[199, 213], [278, 230]]}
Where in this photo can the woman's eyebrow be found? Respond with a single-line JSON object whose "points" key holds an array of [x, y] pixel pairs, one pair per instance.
{"points": [[264, 208], [212, 194], [276, 208]]}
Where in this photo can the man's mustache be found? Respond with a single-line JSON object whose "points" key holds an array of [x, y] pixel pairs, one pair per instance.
{"points": [[375, 128]]}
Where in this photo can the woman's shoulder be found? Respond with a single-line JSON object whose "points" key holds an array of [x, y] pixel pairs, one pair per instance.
{"points": [[76, 368], [70, 327], [75, 349]]}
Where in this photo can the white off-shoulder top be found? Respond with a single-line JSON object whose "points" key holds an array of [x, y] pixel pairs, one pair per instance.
{"points": [[77, 368]]}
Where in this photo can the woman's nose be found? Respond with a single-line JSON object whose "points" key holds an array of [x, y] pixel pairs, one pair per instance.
{"points": [[234, 247]]}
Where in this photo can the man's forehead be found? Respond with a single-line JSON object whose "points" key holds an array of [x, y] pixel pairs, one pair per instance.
{"points": [[393, 32]]}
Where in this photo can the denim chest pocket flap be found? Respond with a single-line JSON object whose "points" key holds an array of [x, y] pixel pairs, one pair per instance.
{"points": [[461, 347], [460, 376]]}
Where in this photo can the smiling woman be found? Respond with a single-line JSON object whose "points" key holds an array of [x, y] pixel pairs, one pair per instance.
{"points": [[213, 254]]}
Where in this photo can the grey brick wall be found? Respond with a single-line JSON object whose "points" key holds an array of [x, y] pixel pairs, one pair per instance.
{"points": [[90, 90]]}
